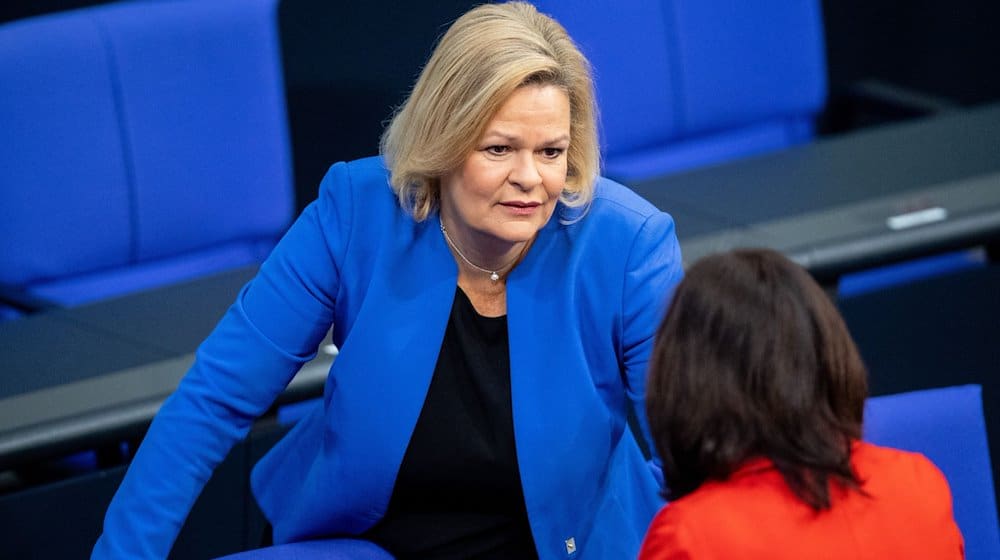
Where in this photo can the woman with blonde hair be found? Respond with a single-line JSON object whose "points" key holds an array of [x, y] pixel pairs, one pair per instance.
{"points": [[494, 302]]}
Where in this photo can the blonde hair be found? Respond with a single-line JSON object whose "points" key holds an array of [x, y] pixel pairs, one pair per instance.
{"points": [[480, 61]]}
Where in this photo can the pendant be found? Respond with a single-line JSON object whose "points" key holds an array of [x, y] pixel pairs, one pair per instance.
{"points": [[494, 276]]}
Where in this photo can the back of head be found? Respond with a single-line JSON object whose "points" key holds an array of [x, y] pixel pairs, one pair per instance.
{"points": [[753, 360], [486, 54]]}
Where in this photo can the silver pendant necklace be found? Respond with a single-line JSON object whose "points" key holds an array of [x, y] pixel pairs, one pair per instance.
{"points": [[494, 274]]}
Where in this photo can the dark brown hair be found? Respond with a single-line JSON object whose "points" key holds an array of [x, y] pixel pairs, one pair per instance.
{"points": [[753, 360]]}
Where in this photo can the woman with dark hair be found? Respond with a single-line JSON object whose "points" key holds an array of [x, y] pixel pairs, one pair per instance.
{"points": [[755, 400]]}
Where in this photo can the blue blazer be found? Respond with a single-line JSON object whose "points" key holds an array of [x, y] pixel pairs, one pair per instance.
{"points": [[582, 310]]}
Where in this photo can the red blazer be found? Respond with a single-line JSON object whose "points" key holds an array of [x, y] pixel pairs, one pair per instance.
{"points": [[753, 514]]}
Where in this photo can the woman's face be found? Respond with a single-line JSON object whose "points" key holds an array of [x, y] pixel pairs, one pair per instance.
{"points": [[508, 186]]}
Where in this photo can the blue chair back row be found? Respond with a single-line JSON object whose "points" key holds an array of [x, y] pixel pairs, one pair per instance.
{"points": [[686, 83], [144, 143]]}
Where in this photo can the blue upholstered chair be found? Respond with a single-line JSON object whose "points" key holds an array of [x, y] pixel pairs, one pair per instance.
{"points": [[144, 143], [948, 427], [334, 549], [687, 83]]}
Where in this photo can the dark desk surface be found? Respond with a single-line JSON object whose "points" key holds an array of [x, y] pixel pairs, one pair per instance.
{"points": [[850, 201], [81, 377]]}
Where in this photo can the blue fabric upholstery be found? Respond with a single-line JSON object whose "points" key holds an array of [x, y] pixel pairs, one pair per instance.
{"points": [[64, 192], [947, 426], [333, 549], [686, 83], [145, 143]]}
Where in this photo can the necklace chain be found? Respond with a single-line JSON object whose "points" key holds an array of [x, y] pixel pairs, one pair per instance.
{"points": [[494, 274]]}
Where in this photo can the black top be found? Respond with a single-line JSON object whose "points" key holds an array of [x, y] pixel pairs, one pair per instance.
{"points": [[458, 493]]}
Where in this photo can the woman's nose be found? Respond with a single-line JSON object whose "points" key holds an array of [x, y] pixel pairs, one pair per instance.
{"points": [[524, 174]]}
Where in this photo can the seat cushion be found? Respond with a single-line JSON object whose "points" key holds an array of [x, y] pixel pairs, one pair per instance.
{"points": [[204, 118], [684, 83], [64, 196], [139, 138]]}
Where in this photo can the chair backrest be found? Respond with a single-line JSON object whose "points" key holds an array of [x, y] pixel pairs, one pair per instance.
{"points": [[948, 427], [332, 549], [144, 143], [686, 83]]}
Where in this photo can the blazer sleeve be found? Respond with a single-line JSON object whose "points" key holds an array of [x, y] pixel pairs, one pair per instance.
{"points": [[653, 270], [278, 320]]}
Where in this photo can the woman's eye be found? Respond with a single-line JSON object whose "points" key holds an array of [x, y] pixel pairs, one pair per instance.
{"points": [[498, 150], [552, 153]]}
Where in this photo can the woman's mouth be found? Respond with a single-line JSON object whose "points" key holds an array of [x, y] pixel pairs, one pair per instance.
{"points": [[520, 208]]}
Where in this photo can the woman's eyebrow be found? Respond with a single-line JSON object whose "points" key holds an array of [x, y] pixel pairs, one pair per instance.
{"points": [[496, 134]]}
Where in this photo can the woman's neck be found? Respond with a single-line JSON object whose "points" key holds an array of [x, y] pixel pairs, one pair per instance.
{"points": [[483, 254]]}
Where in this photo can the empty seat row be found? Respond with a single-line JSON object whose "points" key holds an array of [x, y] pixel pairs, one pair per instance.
{"points": [[144, 143]]}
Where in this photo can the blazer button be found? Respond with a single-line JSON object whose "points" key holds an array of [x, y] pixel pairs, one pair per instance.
{"points": [[570, 546]]}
